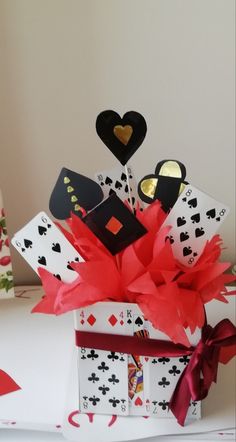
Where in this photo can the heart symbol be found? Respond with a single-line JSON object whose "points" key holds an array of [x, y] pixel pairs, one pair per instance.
{"points": [[138, 401], [117, 132], [181, 221], [56, 247], [123, 133], [146, 359]]}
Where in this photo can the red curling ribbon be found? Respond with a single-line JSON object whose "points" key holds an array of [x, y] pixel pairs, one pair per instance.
{"points": [[218, 344], [7, 384]]}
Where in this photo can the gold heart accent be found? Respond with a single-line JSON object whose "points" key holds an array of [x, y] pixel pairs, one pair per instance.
{"points": [[74, 199], [66, 180], [123, 133], [77, 207], [70, 189], [148, 187]]}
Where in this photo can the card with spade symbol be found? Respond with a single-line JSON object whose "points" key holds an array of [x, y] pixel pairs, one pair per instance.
{"points": [[195, 218], [103, 375], [42, 244], [116, 181]]}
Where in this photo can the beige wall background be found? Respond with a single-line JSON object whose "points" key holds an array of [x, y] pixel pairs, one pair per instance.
{"points": [[64, 61]]}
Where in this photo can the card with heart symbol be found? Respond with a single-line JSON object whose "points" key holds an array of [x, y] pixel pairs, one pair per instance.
{"points": [[165, 184], [116, 181], [42, 244], [74, 192], [122, 136], [194, 219], [114, 224]]}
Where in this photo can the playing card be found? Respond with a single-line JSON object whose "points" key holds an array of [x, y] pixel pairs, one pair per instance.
{"points": [[42, 244], [103, 382], [195, 218], [103, 375], [117, 181], [138, 373], [6, 276]]}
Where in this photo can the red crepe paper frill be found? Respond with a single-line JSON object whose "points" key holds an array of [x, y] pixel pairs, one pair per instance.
{"points": [[169, 294]]}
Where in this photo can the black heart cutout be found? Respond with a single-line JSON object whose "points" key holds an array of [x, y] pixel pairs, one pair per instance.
{"points": [[184, 236], [56, 247], [187, 251], [199, 232], [139, 321], [42, 260], [118, 185], [181, 221], [192, 203], [108, 120], [73, 193], [211, 214], [42, 230], [28, 243]]}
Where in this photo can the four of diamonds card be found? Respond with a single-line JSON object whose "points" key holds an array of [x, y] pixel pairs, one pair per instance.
{"points": [[122, 384]]}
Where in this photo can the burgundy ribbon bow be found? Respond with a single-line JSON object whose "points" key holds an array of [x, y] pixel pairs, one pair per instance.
{"points": [[201, 371], [199, 374]]}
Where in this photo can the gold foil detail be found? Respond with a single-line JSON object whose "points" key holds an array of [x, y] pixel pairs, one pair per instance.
{"points": [[66, 180], [182, 187], [148, 187], [123, 133], [70, 189], [170, 168], [77, 207], [74, 199]]}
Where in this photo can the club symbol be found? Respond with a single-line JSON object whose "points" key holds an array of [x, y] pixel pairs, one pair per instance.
{"points": [[122, 359], [194, 403], [113, 356], [163, 360], [164, 405], [93, 378], [154, 361], [83, 357], [92, 355], [94, 400], [163, 383], [85, 398], [184, 360], [103, 367], [104, 389], [174, 370], [114, 402], [113, 379]]}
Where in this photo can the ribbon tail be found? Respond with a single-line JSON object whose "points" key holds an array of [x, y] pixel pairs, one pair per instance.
{"points": [[180, 399]]}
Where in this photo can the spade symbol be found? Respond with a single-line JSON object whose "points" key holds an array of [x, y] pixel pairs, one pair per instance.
{"points": [[87, 192], [28, 243], [111, 191], [42, 260], [184, 236], [42, 230], [199, 232], [139, 321], [195, 218], [187, 251], [122, 136], [192, 203], [108, 181], [123, 177], [181, 221], [118, 185], [211, 214], [56, 247]]}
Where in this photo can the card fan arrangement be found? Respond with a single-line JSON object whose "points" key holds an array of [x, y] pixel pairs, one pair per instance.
{"points": [[136, 264]]}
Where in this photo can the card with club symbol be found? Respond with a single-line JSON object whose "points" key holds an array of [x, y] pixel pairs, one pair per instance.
{"points": [[117, 181], [195, 218], [42, 244], [103, 375]]}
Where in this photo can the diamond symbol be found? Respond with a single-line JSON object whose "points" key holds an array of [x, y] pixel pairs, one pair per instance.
{"points": [[91, 319], [121, 322], [112, 320], [82, 321]]}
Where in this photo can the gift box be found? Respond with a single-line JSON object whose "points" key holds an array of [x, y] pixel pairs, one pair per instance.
{"points": [[117, 382], [6, 277]]}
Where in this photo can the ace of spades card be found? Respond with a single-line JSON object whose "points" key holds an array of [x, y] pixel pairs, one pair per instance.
{"points": [[103, 375], [123, 184], [194, 220]]}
